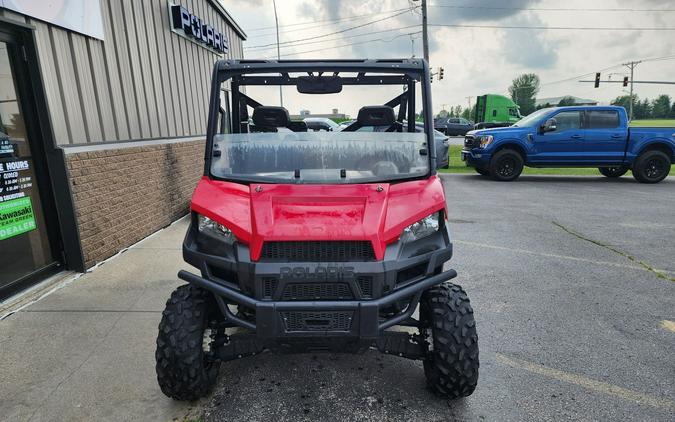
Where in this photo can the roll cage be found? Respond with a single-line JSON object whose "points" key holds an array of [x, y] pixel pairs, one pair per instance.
{"points": [[241, 73]]}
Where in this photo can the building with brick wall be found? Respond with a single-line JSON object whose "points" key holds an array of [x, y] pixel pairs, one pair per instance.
{"points": [[103, 112]]}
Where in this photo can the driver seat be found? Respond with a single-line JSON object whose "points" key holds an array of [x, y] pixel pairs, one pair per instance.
{"points": [[377, 116], [270, 118]]}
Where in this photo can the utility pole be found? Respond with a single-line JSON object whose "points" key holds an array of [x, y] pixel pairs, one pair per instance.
{"points": [[276, 20], [631, 65], [425, 35], [469, 98]]}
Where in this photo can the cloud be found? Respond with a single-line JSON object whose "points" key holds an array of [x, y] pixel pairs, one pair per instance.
{"points": [[488, 10], [529, 50], [476, 61]]}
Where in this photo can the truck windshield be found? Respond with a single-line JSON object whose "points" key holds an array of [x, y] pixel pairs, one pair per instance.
{"points": [[320, 157], [532, 118]]}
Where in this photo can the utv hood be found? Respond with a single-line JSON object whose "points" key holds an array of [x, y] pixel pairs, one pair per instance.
{"points": [[376, 212]]}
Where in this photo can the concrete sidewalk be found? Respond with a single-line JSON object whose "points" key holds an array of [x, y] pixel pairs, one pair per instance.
{"points": [[86, 351]]}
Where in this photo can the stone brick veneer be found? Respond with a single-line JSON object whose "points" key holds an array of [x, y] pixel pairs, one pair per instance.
{"points": [[122, 195]]}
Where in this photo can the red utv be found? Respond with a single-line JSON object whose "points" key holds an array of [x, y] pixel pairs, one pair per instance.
{"points": [[318, 241]]}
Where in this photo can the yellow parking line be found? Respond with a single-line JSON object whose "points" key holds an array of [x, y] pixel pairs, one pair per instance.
{"points": [[591, 384], [668, 325]]}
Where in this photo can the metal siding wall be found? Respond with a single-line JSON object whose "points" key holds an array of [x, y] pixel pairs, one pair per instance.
{"points": [[117, 38], [126, 87], [85, 88], [176, 68], [65, 73], [51, 83], [102, 91], [161, 71]]}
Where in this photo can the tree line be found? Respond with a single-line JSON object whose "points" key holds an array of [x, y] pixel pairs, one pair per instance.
{"points": [[524, 89], [662, 107]]}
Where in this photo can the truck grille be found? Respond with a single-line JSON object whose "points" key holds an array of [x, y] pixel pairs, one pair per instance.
{"points": [[471, 142], [317, 291], [317, 321], [318, 251]]}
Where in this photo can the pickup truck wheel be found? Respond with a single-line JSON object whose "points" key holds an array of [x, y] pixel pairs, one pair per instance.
{"points": [[506, 165], [449, 328], [651, 167], [482, 171], [185, 368], [613, 171]]}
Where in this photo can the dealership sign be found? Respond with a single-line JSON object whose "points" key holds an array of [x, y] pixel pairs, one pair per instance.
{"points": [[195, 29], [16, 217]]}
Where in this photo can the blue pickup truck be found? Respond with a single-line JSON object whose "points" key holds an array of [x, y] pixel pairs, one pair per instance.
{"points": [[590, 136]]}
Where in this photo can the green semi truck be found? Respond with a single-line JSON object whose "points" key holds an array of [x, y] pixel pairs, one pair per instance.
{"points": [[495, 111]]}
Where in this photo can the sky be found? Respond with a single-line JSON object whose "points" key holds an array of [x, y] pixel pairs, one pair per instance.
{"points": [[478, 59]]}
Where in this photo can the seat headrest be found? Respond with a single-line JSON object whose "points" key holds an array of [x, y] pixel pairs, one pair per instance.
{"points": [[270, 116], [297, 126], [376, 116]]}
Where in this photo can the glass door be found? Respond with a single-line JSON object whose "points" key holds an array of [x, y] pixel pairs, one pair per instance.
{"points": [[25, 248]]}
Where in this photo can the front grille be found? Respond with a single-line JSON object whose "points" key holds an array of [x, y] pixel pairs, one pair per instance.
{"points": [[318, 251], [317, 321], [269, 286], [366, 286], [317, 291], [471, 142]]}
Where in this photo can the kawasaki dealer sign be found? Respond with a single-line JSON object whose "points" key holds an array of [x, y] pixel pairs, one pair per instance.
{"points": [[16, 217]]}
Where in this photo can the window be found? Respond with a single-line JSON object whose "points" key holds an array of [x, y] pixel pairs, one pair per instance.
{"points": [[513, 112], [453, 121], [602, 119], [568, 120]]}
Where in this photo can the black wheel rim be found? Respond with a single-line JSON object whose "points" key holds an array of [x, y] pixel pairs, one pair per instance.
{"points": [[507, 167], [654, 168]]}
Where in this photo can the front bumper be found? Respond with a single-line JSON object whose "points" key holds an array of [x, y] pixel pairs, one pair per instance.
{"points": [[475, 158], [394, 288]]}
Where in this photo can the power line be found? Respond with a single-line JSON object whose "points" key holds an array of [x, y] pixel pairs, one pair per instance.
{"points": [[354, 43], [337, 39], [584, 28], [346, 18], [332, 33], [541, 9]]}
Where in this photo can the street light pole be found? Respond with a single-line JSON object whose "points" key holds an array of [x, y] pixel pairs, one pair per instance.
{"points": [[276, 20]]}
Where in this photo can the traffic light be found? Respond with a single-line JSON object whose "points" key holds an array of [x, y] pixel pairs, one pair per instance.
{"points": [[440, 73], [597, 79], [625, 81], [431, 78]]}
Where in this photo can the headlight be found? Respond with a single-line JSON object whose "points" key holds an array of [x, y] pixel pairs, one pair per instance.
{"points": [[208, 226], [421, 229], [485, 140]]}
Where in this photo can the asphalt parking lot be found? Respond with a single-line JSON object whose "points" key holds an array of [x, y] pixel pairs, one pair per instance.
{"points": [[572, 280]]}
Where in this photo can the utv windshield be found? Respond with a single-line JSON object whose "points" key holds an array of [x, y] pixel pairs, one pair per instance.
{"points": [[255, 137], [319, 157]]}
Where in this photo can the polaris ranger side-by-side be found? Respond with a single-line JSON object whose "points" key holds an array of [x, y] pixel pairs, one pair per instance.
{"points": [[318, 241]]}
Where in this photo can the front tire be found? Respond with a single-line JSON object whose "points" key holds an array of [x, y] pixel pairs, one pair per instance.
{"points": [[506, 165], [185, 369], [482, 171], [651, 167], [613, 172], [451, 365]]}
